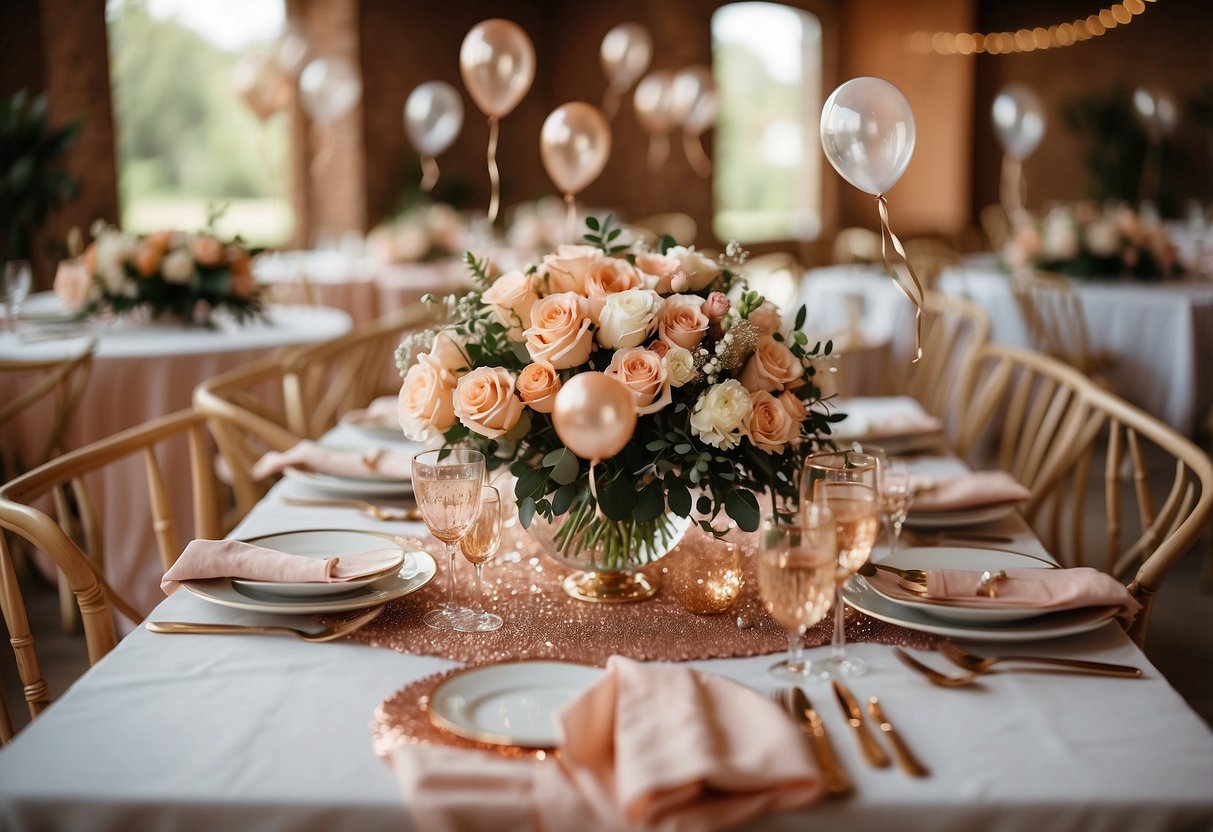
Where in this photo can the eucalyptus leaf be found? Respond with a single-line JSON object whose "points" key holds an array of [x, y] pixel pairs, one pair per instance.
{"points": [[618, 499], [742, 506], [650, 502]]}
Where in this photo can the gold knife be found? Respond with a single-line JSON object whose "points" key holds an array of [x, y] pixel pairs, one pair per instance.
{"points": [[872, 752], [909, 763], [837, 782]]}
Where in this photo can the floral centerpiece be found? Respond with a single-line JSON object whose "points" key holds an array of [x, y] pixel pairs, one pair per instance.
{"points": [[1084, 241], [723, 393], [168, 273], [420, 234]]}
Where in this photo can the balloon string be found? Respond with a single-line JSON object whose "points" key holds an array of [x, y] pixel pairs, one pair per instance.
{"points": [[324, 139], [1013, 188], [696, 155], [594, 490], [659, 151], [429, 173], [570, 219], [494, 176], [610, 103], [917, 296]]}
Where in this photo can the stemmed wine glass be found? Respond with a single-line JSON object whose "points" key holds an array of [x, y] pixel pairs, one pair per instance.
{"points": [[895, 498], [478, 545], [16, 288], [446, 483], [845, 482], [797, 567]]}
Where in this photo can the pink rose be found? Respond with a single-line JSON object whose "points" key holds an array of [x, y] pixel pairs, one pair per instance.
{"points": [[560, 332], [766, 318], [769, 424], [566, 269], [682, 322], [73, 283], [538, 385], [666, 274], [207, 251], [425, 405], [772, 367], [485, 401], [796, 410], [644, 373], [512, 296], [608, 276], [716, 306]]}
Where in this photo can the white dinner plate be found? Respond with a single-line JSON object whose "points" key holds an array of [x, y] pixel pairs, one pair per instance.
{"points": [[972, 559], [374, 428], [418, 570], [511, 703], [360, 486], [953, 519], [322, 543], [45, 306]]}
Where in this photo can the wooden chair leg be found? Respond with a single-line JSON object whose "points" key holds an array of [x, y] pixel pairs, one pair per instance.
{"points": [[69, 612]]}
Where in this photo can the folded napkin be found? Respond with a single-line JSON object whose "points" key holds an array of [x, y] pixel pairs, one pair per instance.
{"points": [[310, 456], [203, 559], [1049, 590], [905, 423], [647, 747], [980, 488], [382, 412]]}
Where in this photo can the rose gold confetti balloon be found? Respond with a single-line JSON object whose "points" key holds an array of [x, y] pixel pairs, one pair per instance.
{"points": [[594, 416]]}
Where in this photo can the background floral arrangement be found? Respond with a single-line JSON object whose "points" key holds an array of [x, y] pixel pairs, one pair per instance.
{"points": [[419, 234], [725, 399], [167, 272], [1085, 241]]}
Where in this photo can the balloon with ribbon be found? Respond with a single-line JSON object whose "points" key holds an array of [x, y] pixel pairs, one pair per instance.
{"points": [[653, 102], [329, 88], [1158, 114], [433, 117], [293, 50], [594, 416], [694, 105], [627, 51], [1019, 121], [575, 143], [868, 134], [497, 61], [260, 85]]}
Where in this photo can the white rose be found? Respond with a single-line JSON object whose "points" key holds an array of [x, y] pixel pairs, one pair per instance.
{"points": [[680, 365], [178, 267], [1103, 238], [628, 318], [700, 269], [114, 250], [721, 413], [1059, 238]]}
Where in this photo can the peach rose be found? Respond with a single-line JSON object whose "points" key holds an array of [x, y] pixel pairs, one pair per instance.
{"points": [[772, 367], [766, 317], [716, 306], [682, 322], [608, 276], [560, 332], [448, 353], [486, 403], [147, 259], [207, 251], [770, 424], [665, 274], [512, 296], [538, 385], [796, 409], [697, 266], [161, 240], [73, 284], [244, 285], [425, 404], [566, 269], [644, 373]]}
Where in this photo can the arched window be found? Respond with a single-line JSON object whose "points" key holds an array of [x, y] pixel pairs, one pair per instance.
{"points": [[767, 62], [185, 139]]}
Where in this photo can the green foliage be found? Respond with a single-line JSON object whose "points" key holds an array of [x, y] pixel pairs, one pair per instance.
{"points": [[605, 235]]}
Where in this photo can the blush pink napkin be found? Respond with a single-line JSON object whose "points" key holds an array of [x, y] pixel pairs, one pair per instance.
{"points": [[203, 559], [905, 423], [382, 412], [310, 456], [980, 488], [647, 747]]}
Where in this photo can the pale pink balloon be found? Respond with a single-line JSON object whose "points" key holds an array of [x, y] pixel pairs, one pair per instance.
{"points": [[693, 101], [575, 143], [497, 61], [626, 53], [654, 102], [594, 416]]}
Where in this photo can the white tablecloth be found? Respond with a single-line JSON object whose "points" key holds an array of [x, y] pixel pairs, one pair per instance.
{"points": [[209, 732]]}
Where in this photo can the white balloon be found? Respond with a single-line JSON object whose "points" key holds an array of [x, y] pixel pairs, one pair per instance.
{"points": [[433, 117], [868, 133], [693, 100], [1156, 110], [329, 88], [653, 100], [1019, 120], [627, 51], [294, 48]]}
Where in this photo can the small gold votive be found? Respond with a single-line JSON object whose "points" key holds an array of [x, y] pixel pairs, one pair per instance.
{"points": [[705, 574]]}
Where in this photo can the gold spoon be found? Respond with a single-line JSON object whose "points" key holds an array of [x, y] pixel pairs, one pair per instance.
{"points": [[330, 634]]}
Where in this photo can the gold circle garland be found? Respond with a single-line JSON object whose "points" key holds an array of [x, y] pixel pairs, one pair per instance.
{"points": [[1028, 40]]}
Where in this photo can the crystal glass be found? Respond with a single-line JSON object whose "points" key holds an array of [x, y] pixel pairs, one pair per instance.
{"points": [[446, 483], [797, 573], [478, 546], [17, 281], [895, 498]]}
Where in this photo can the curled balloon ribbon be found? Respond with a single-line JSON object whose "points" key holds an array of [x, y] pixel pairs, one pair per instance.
{"points": [[494, 176], [326, 139], [429, 173], [917, 295], [696, 155], [1013, 187], [659, 150]]}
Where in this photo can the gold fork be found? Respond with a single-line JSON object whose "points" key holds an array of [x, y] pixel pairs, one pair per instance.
{"points": [[942, 680], [329, 634]]}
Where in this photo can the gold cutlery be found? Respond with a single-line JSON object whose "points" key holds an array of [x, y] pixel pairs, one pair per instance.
{"points": [[872, 752], [936, 678], [798, 705], [946, 536], [982, 664], [906, 759], [330, 634], [369, 509], [914, 576]]}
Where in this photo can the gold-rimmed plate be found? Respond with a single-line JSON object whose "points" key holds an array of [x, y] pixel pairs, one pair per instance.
{"points": [[323, 544]]}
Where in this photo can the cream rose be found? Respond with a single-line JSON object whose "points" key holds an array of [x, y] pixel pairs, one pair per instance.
{"points": [[425, 405], [560, 331], [796, 410], [566, 269], [721, 413], [538, 385], [644, 373], [628, 317], [766, 318], [73, 284], [772, 367], [665, 274], [486, 403], [512, 297], [699, 268], [680, 366], [769, 424], [178, 267], [607, 277], [682, 322]]}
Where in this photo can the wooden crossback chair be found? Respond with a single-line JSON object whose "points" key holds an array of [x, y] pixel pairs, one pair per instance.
{"points": [[1047, 424], [65, 477], [1053, 316], [60, 379], [299, 394], [930, 257]]}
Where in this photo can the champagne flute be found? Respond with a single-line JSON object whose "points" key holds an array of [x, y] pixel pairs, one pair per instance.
{"points": [[895, 498], [17, 281], [446, 483], [797, 569], [478, 545]]}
